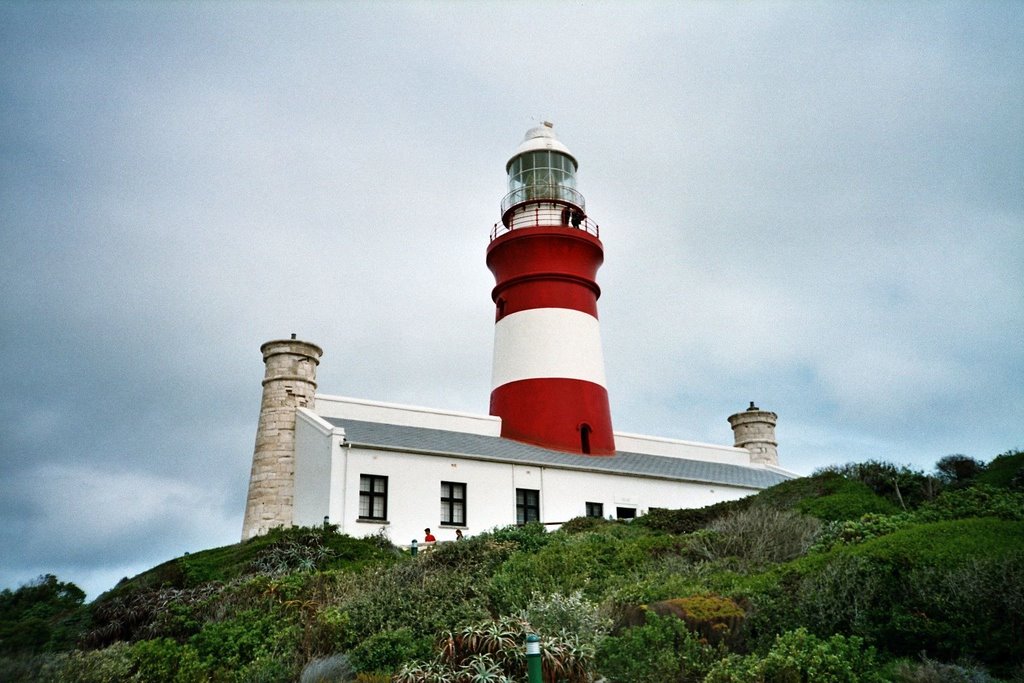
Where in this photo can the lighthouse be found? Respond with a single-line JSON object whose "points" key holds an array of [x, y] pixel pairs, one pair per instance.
{"points": [[548, 381]]}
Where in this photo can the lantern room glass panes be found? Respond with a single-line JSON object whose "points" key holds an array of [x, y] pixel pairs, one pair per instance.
{"points": [[542, 175]]}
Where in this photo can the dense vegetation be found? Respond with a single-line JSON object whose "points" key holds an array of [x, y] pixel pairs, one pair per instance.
{"points": [[866, 572]]}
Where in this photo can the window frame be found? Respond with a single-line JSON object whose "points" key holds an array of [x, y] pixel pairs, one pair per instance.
{"points": [[523, 509], [626, 513], [595, 507], [449, 502], [371, 495]]}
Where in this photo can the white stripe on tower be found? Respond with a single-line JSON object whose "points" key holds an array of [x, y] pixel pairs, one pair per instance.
{"points": [[547, 342]]}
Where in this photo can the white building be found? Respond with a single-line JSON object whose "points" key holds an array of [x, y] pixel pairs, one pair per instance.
{"points": [[547, 452]]}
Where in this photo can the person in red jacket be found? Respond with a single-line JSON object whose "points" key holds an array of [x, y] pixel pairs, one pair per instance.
{"points": [[428, 537]]}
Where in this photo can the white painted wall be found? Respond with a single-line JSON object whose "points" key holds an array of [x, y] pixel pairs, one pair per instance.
{"points": [[313, 468], [327, 476], [414, 493]]}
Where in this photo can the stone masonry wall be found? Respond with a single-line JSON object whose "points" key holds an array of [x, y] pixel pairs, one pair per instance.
{"points": [[754, 429], [289, 383]]}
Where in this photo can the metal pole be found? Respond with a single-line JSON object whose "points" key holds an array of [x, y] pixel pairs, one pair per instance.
{"points": [[533, 658]]}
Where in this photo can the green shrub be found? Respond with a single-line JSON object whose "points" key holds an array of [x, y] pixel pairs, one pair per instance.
{"points": [[386, 651], [800, 657], [951, 589], [757, 536], [333, 669], [931, 671], [99, 666], [588, 562], [573, 613], [846, 505], [690, 520], [581, 524], [324, 548], [958, 470], [980, 500], [1005, 471], [529, 537], [493, 652], [163, 660], [662, 650], [234, 643], [900, 485], [851, 532], [43, 615], [427, 594], [712, 617]]}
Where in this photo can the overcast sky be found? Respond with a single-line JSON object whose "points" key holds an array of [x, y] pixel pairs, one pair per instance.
{"points": [[815, 206]]}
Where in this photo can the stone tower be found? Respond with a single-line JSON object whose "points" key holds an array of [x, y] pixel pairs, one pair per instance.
{"points": [[754, 429], [289, 383]]}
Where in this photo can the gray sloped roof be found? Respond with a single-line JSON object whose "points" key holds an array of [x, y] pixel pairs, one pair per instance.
{"points": [[440, 442]]}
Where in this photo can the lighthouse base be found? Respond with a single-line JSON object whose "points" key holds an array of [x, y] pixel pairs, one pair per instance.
{"points": [[563, 414]]}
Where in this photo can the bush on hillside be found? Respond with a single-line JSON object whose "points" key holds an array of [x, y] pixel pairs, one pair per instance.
{"points": [[528, 537], [844, 505], [578, 525], [931, 671], [554, 613], [852, 532], [900, 485], [826, 495], [798, 656], [1006, 470], [950, 589], [662, 649], [958, 470], [43, 615], [976, 501], [386, 651], [493, 652], [758, 536], [690, 520], [589, 562]]}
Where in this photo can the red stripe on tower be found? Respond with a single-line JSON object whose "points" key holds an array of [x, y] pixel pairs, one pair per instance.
{"points": [[548, 384]]}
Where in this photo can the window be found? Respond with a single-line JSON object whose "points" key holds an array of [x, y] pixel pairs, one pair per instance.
{"points": [[625, 513], [585, 438], [373, 497], [527, 506], [453, 503], [595, 509]]}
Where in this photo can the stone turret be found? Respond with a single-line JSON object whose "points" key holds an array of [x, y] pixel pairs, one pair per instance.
{"points": [[754, 429], [289, 383]]}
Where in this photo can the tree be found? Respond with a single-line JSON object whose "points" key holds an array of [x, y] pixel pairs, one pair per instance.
{"points": [[958, 470], [44, 614]]}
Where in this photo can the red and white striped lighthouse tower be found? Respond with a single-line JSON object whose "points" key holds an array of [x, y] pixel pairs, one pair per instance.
{"points": [[548, 383]]}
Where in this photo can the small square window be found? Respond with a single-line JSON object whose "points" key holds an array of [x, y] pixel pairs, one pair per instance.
{"points": [[595, 510], [527, 506]]}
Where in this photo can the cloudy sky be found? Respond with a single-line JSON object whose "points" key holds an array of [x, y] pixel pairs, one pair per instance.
{"points": [[815, 206]]}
